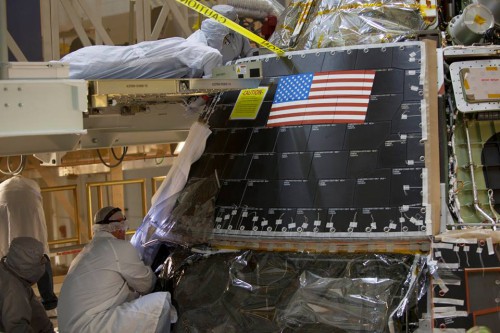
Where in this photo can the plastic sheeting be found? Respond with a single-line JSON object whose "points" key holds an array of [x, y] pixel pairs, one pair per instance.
{"points": [[146, 238], [294, 292], [167, 58], [333, 23], [257, 8]]}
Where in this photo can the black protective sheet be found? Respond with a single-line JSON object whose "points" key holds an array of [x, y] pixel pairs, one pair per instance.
{"points": [[282, 291]]}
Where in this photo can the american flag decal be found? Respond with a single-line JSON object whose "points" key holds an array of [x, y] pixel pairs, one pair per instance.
{"points": [[322, 98]]}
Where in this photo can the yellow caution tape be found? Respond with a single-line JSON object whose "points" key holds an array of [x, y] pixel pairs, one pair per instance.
{"points": [[491, 68], [208, 12], [493, 96]]}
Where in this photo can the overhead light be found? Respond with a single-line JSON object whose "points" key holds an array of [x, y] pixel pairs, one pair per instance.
{"points": [[179, 147]]}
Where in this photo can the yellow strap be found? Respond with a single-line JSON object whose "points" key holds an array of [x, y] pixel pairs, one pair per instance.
{"points": [[208, 12]]}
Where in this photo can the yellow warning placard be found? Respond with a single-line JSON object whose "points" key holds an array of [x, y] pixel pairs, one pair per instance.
{"points": [[208, 12], [248, 104]]}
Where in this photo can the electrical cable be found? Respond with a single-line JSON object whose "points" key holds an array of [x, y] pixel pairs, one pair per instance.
{"points": [[18, 170], [119, 159]]}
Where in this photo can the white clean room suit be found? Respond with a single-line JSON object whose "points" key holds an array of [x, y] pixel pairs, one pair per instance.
{"points": [[101, 292]]}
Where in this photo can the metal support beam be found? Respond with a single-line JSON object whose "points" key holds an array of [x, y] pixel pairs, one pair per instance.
{"points": [[4, 53], [14, 48], [160, 22], [99, 28], [77, 24], [180, 20]]}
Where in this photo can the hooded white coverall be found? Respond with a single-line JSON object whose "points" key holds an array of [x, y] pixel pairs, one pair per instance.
{"points": [[20, 310], [21, 212], [102, 288], [235, 45]]}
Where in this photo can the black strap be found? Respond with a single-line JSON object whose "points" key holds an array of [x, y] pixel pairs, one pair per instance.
{"points": [[105, 220]]}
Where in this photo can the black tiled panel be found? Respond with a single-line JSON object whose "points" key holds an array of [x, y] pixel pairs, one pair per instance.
{"points": [[293, 138], [408, 119], [299, 193], [340, 219], [294, 165], [406, 57], [328, 165], [264, 111], [326, 137], [250, 219], [406, 186], [216, 142], [311, 219], [334, 193], [307, 63], [415, 151], [271, 90], [412, 87], [374, 58], [238, 140], [226, 218], [229, 97], [263, 140], [366, 136], [373, 192], [339, 60], [277, 66], [230, 193], [237, 166], [219, 118], [262, 194], [393, 153], [198, 168], [390, 81], [361, 163], [215, 163], [263, 166], [383, 107], [280, 218]]}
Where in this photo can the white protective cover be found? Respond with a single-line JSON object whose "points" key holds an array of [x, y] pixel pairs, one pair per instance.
{"points": [[173, 57], [165, 197], [21, 212]]}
